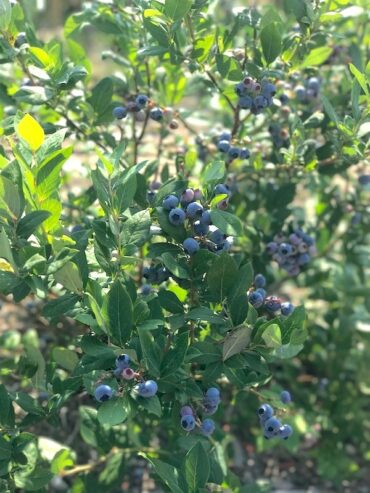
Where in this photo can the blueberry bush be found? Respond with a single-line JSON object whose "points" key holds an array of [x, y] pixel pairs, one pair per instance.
{"points": [[184, 214]]}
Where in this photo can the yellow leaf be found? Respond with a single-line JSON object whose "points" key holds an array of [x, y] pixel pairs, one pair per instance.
{"points": [[31, 131], [4, 265]]}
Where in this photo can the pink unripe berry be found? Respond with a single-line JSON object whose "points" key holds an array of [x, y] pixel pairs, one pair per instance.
{"points": [[128, 374]]}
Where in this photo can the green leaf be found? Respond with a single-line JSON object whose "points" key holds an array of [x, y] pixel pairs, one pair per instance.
{"points": [[152, 405], [5, 14], [236, 342], [176, 267], [227, 222], [329, 109], [48, 173], [6, 409], [29, 223], [239, 309], [69, 277], [228, 67], [272, 336], [8, 281], [177, 9], [113, 412], [33, 481], [174, 358], [170, 302], [196, 467], [206, 315], [124, 192], [271, 41], [135, 231], [66, 358], [167, 473], [317, 56], [221, 276], [214, 172], [242, 282], [62, 461], [60, 306], [120, 313], [360, 77], [101, 96], [151, 352], [10, 200]]}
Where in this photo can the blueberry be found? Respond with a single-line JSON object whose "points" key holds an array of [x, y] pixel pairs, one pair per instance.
{"points": [[234, 152], [223, 145], [262, 292], [244, 154], [210, 408], [117, 372], [194, 210], [283, 98], [176, 216], [225, 136], [255, 299], [217, 237], [122, 361], [186, 411], [272, 304], [211, 401], [285, 249], [260, 102], [147, 389], [285, 397], [198, 194], [272, 247], [146, 289], [364, 179], [294, 239], [300, 92], [170, 202], [240, 89], [287, 308], [205, 218], [285, 431], [120, 112], [304, 259], [103, 393], [187, 196], [150, 196], [267, 434], [260, 281], [174, 124], [162, 275], [188, 422], [266, 411], [221, 189], [20, 40], [313, 83], [200, 229], [141, 100], [269, 89], [226, 245], [191, 246], [272, 425], [213, 392], [128, 373], [156, 114], [208, 426], [245, 102]]}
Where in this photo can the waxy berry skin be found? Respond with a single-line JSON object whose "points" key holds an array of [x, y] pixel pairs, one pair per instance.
{"points": [[191, 246], [285, 397], [176, 216], [170, 202], [120, 112], [103, 393], [188, 422]]}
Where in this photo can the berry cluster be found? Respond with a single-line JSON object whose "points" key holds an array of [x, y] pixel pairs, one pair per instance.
{"points": [[258, 298], [280, 136], [155, 274], [204, 235], [309, 91], [142, 106], [292, 252], [271, 425], [224, 145], [255, 96], [207, 426]]}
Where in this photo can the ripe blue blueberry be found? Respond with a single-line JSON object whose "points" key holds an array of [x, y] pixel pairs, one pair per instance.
{"points": [[285, 397], [233, 152], [191, 246], [260, 281], [156, 114], [120, 112], [245, 102], [188, 422], [272, 304], [209, 408], [223, 145], [304, 259], [285, 249], [287, 308], [147, 389], [103, 393], [213, 392], [194, 210], [260, 102], [170, 202], [300, 92], [240, 89], [186, 411], [265, 411], [208, 426], [272, 247], [141, 100], [176, 216], [146, 289], [221, 189], [272, 425], [226, 135], [217, 237], [200, 229], [244, 154], [206, 218], [285, 431], [123, 361], [268, 89], [162, 274], [284, 98], [364, 179], [256, 299], [262, 292], [313, 83]]}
